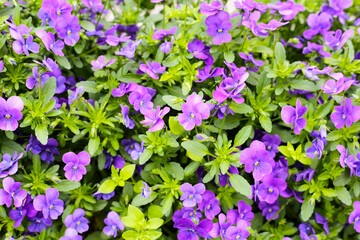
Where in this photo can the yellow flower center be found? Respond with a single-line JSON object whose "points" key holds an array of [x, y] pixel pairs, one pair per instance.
{"points": [[51, 207], [269, 147], [195, 52], [59, 13], [270, 190], [220, 30], [113, 227], [257, 163], [270, 210], [68, 32], [191, 196], [192, 115], [75, 167], [343, 116], [7, 116], [78, 223]]}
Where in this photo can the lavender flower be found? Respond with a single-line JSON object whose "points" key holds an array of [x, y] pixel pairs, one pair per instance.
{"points": [[68, 29], [319, 23], [123, 89], [206, 73], [345, 114], [27, 209], [12, 192], [210, 9], [338, 40], [231, 88], [10, 113], [71, 234], [48, 39], [77, 221], [160, 34], [345, 159], [95, 5], [154, 118], [220, 227], [209, 204], [335, 87], [9, 166], [355, 216], [269, 190], [49, 204], [188, 230], [25, 46], [113, 224], [146, 191], [191, 194], [218, 27], [152, 69], [269, 210], [287, 9], [243, 213], [38, 223], [105, 196], [129, 50], [238, 232], [200, 51], [322, 220], [293, 116], [141, 100], [101, 62], [194, 111], [59, 10], [271, 143], [75, 165], [166, 46]]}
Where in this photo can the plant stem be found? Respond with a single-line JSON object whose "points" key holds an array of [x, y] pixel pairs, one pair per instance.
{"points": [[318, 96], [223, 121], [14, 3], [102, 12]]}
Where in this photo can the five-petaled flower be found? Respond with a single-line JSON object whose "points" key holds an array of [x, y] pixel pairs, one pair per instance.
{"points": [[293, 116], [75, 165]]}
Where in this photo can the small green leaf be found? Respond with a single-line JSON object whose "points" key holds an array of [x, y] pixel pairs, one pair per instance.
{"points": [[240, 184], [175, 126], [41, 133], [145, 156], [88, 26], [108, 186], [241, 108], [229, 56], [93, 145], [191, 168], [175, 170], [63, 61], [154, 223], [135, 213], [343, 195], [195, 147], [210, 175], [307, 209], [242, 135], [16, 15], [48, 90], [280, 54], [127, 172], [265, 123], [66, 186]]}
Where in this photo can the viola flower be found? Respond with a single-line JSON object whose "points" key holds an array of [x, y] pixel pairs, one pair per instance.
{"points": [[250, 58], [338, 40], [319, 23], [313, 47], [59, 10], [141, 100], [220, 227], [335, 87], [49, 150], [25, 46], [129, 50], [221, 111], [293, 116], [231, 87], [316, 149], [49, 204], [322, 220], [76, 94], [166, 46], [188, 230], [12, 191], [209, 204], [269, 210], [71, 234], [137, 151], [115, 40], [113, 224], [355, 216], [75, 165], [123, 89], [45, 18], [210, 9], [345, 114], [206, 73], [26, 210], [38, 223], [188, 213], [305, 230], [48, 39], [345, 159], [128, 122], [287, 9], [200, 51], [9, 166], [307, 174], [1, 66], [105, 196], [101, 62], [191, 194], [194, 111], [152, 69], [154, 118], [243, 213], [269, 190], [160, 34], [238, 232], [272, 25], [336, 8], [77, 221], [251, 23], [218, 27], [68, 29], [95, 5], [271, 143], [10, 113], [257, 160], [146, 191]]}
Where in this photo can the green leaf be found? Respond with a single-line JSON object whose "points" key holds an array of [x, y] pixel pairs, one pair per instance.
{"points": [[240, 108], [16, 15], [135, 213], [154, 223], [63, 61], [139, 200], [191, 168], [145, 156], [88, 26], [343, 195], [154, 211], [356, 187], [93, 145], [280, 54], [48, 90], [41, 132], [108, 186], [89, 86], [303, 85], [242, 135], [167, 204], [66, 186], [210, 175], [195, 147], [229, 57], [175, 170], [265, 123], [175, 126], [307, 209], [334, 135], [240, 184], [127, 172], [323, 110]]}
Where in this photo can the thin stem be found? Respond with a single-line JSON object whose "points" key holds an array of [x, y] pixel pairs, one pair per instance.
{"points": [[97, 23], [223, 121], [14, 3], [186, 8], [318, 96]]}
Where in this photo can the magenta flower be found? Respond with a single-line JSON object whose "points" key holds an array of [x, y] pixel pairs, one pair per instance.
{"points": [[210, 9], [59, 10], [68, 29], [194, 111], [48, 39], [200, 51], [231, 87], [141, 100], [270, 189], [154, 118], [49, 204], [1, 66], [113, 224], [293, 116], [206, 73], [218, 27], [287, 9], [101, 62], [71, 234], [191, 194], [12, 191], [10, 113], [95, 5], [77, 221], [75, 165], [346, 159], [355, 216], [123, 89], [251, 23], [338, 40], [152, 69], [345, 114], [335, 87], [257, 160], [319, 23]]}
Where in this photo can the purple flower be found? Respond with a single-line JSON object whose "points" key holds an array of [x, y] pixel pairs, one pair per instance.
{"points": [[209, 204], [220, 227], [304, 175], [137, 151], [95, 5], [166, 46], [123, 89], [345, 114], [1, 66], [269, 190], [38, 223], [59, 10], [336, 8], [105, 196], [194, 111], [322, 220], [141, 100], [210, 9], [45, 18], [207, 73], [287, 9], [250, 58], [218, 27], [188, 230], [146, 191], [305, 230], [48, 39], [154, 118], [221, 111], [113, 224], [355, 216], [128, 122], [160, 34], [272, 25], [319, 23], [257, 160], [77, 221], [49, 150], [114, 40], [9, 166], [269, 210], [338, 40], [200, 51], [271, 143], [251, 23], [129, 50], [75, 165], [231, 87], [313, 47], [10, 113], [25, 46], [243, 213], [68, 29], [335, 87], [12, 191], [49, 204], [71, 234], [293, 116], [152, 69], [239, 232], [345, 159], [101, 62], [188, 213], [27, 209], [316, 149], [191, 194]]}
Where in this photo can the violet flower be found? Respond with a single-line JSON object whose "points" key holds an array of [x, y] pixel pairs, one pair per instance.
{"points": [[270, 190], [271, 143], [287, 9], [160, 34], [335, 87], [71, 234], [117, 161], [191, 194], [345, 159], [59, 10], [68, 29], [293, 116], [188, 213], [154, 118], [231, 87], [322, 220], [141, 100], [338, 40], [26, 210], [137, 151], [114, 40], [48, 39], [152, 69], [193, 112], [243, 213], [45, 18], [210, 9], [1, 66], [250, 58], [77, 221], [307, 175], [9, 165], [129, 50], [123, 89], [251, 23], [75, 165], [206, 73], [25, 46], [128, 122], [113, 224], [49, 204], [257, 160], [146, 191], [345, 114], [105, 196], [95, 5], [238, 232], [188, 230], [316, 149], [355, 216], [166, 46], [10, 113], [319, 23], [269, 210], [101, 62], [200, 51], [220, 227], [12, 192], [305, 230], [218, 27], [209, 204], [38, 223]]}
